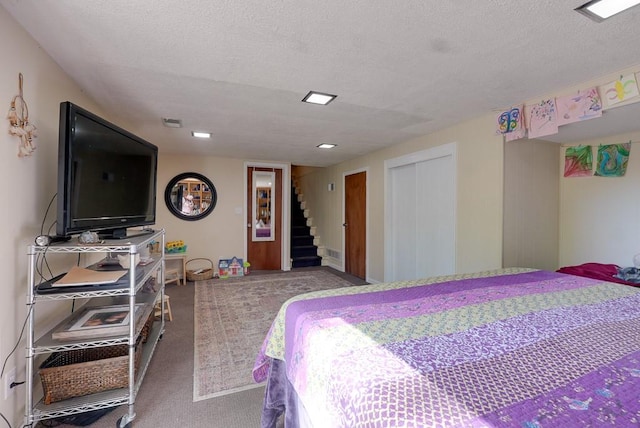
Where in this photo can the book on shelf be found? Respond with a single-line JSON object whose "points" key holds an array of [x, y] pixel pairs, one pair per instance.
{"points": [[81, 276]]}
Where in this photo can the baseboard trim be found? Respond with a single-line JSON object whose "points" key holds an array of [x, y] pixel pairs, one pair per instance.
{"points": [[327, 261]]}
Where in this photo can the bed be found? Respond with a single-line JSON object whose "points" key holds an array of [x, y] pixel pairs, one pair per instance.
{"points": [[504, 348]]}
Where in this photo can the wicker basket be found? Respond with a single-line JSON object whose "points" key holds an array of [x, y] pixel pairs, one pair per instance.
{"points": [[199, 274], [87, 371], [146, 328]]}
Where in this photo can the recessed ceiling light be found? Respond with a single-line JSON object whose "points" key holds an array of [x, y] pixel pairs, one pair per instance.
{"points": [[201, 134], [599, 10], [171, 123], [325, 146], [318, 98]]}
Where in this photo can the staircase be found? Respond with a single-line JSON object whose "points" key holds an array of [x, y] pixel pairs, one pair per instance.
{"points": [[303, 252]]}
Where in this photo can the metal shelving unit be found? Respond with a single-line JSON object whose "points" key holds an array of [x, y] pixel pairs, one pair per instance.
{"points": [[127, 294]]}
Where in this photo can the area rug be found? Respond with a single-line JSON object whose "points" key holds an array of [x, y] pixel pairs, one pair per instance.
{"points": [[231, 319]]}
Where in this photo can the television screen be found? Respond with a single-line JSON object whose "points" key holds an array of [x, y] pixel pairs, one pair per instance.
{"points": [[106, 176]]}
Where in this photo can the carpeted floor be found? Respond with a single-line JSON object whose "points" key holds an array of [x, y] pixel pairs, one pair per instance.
{"points": [[166, 396], [232, 318]]}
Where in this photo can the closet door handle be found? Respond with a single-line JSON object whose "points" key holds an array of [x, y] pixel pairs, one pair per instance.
{"points": [[344, 224]]}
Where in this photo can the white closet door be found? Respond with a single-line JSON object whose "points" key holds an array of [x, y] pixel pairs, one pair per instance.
{"points": [[420, 215], [403, 241], [436, 220]]}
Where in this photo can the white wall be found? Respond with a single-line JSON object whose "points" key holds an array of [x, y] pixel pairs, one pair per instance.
{"points": [[600, 216]]}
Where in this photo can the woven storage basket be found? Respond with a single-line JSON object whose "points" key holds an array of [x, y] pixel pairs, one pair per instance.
{"points": [[206, 273], [146, 328], [81, 372]]}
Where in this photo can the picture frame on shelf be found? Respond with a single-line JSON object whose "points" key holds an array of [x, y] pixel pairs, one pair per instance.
{"points": [[99, 321]]}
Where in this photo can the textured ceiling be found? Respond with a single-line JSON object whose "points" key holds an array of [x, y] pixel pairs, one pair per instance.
{"points": [[240, 68]]}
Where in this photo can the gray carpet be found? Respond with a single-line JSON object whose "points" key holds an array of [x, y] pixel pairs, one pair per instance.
{"points": [[165, 398], [232, 318]]}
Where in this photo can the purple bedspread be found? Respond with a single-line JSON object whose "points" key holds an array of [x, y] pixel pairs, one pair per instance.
{"points": [[519, 348]]}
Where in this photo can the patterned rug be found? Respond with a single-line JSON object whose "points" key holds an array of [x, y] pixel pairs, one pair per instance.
{"points": [[232, 318]]}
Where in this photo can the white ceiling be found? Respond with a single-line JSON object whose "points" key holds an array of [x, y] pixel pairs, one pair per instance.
{"points": [[239, 68]]}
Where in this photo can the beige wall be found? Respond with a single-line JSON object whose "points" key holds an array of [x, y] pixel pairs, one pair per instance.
{"points": [[531, 204], [587, 230], [220, 234], [479, 202], [30, 185], [600, 216]]}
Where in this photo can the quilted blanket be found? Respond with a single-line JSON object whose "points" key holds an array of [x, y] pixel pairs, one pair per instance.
{"points": [[513, 347]]}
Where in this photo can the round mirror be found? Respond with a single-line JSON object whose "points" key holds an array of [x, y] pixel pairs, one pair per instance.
{"points": [[190, 196]]}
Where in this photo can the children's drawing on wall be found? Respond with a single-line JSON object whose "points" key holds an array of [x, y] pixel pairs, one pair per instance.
{"points": [[510, 124], [623, 89], [508, 121], [542, 119], [584, 105], [578, 161], [613, 160]]}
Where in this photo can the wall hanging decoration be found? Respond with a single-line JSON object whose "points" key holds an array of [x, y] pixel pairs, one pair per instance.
{"points": [[19, 124], [508, 121], [613, 160], [620, 90], [578, 161], [542, 119], [584, 105]]}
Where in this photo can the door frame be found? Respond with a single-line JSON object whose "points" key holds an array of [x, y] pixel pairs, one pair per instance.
{"points": [[285, 229], [344, 217], [449, 149]]}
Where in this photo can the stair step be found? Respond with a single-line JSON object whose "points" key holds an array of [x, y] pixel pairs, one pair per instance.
{"points": [[300, 231], [301, 222], [301, 241], [306, 261], [304, 251]]}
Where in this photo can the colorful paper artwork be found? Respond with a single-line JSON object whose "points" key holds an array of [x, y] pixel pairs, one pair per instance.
{"points": [[510, 120], [623, 89], [578, 161], [613, 160], [516, 135], [584, 105], [542, 119]]}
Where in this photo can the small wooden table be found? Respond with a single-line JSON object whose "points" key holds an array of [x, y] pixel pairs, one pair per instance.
{"points": [[179, 256]]}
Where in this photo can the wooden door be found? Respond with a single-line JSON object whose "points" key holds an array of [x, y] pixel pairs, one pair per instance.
{"points": [[265, 255], [355, 226]]}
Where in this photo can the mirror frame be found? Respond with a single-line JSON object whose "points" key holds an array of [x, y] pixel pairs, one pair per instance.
{"points": [[180, 177], [271, 209]]}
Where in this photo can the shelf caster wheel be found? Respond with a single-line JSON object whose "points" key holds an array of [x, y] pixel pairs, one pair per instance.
{"points": [[124, 422]]}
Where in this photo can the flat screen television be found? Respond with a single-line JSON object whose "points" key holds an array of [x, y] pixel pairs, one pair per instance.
{"points": [[106, 176]]}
